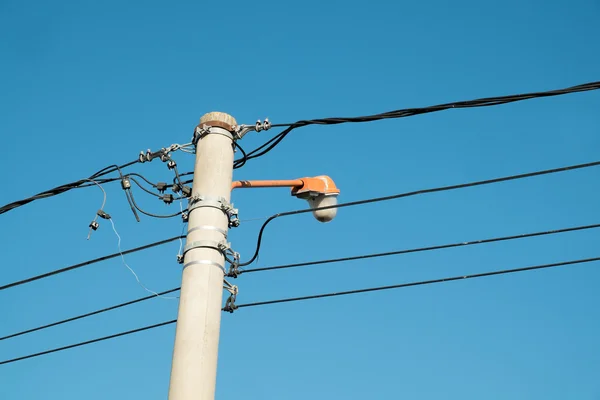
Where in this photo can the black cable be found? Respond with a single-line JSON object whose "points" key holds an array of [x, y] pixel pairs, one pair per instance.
{"points": [[144, 178], [483, 102], [112, 168], [100, 181], [64, 321], [317, 296], [423, 249], [327, 261], [116, 335], [107, 180], [242, 161], [64, 188], [274, 141], [428, 282], [407, 112], [150, 214], [128, 195], [318, 262], [89, 262], [177, 176], [414, 193], [144, 189]]}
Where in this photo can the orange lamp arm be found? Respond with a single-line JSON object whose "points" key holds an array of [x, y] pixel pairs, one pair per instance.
{"points": [[269, 183], [300, 187]]}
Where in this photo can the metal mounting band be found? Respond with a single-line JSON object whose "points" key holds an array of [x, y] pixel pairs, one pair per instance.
{"points": [[205, 130], [206, 244], [208, 228], [205, 203], [204, 262], [195, 198]]}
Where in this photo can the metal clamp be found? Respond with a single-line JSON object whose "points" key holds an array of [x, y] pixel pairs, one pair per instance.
{"points": [[203, 130], [199, 201], [163, 154], [234, 266], [196, 203], [222, 246], [204, 262], [230, 302], [232, 214], [208, 228], [241, 130]]}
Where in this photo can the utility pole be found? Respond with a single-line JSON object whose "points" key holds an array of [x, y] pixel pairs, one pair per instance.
{"points": [[194, 369]]}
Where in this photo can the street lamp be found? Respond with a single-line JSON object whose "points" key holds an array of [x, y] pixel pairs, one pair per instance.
{"points": [[319, 191]]}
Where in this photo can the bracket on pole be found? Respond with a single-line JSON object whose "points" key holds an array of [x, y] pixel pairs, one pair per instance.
{"points": [[241, 130], [221, 247], [230, 302], [234, 266], [199, 201]]}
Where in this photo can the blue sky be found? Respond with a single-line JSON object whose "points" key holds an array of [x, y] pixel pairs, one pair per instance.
{"points": [[87, 84]]}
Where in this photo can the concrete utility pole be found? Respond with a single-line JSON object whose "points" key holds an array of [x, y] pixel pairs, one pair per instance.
{"points": [[194, 369]]}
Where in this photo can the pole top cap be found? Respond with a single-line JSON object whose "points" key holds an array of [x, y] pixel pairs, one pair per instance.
{"points": [[219, 119]]}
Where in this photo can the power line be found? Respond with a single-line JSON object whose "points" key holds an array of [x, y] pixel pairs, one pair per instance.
{"points": [[162, 154], [422, 249], [101, 339], [89, 262], [149, 213], [420, 283], [150, 192], [337, 206], [318, 262], [317, 296], [103, 310], [289, 213], [66, 187], [415, 193], [407, 112]]}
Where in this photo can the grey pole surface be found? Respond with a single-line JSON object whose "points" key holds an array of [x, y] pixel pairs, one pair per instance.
{"points": [[194, 369]]}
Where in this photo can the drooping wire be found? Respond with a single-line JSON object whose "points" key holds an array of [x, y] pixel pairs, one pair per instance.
{"points": [[148, 213], [150, 192], [319, 262], [242, 161], [271, 143], [407, 112], [143, 178], [320, 296], [113, 168], [101, 207], [86, 263], [131, 269], [414, 193]]}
